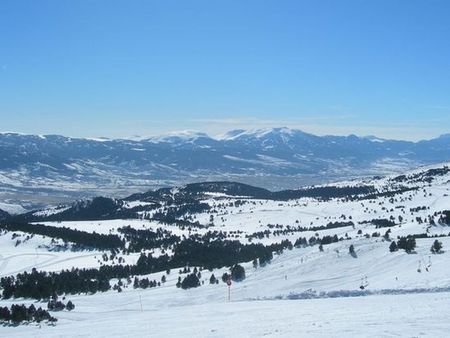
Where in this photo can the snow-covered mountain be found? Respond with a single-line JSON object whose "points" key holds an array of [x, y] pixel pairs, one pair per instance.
{"points": [[55, 168], [366, 257]]}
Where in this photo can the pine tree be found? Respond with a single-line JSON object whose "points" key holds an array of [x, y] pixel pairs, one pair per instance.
{"points": [[351, 251], [410, 244], [255, 263], [237, 273], [393, 247], [436, 247], [190, 281], [407, 243], [70, 306]]}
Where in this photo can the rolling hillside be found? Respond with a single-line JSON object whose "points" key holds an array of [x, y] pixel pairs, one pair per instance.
{"points": [[323, 263]]}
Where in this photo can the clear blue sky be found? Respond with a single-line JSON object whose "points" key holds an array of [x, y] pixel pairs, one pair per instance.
{"points": [[122, 68]]}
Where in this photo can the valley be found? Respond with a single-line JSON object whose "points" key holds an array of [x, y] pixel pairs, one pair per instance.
{"points": [[38, 170]]}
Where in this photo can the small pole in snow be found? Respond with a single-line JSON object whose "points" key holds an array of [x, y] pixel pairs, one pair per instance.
{"points": [[140, 301], [229, 287]]}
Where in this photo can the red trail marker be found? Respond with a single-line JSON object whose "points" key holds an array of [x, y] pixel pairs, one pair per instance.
{"points": [[229, 287]]}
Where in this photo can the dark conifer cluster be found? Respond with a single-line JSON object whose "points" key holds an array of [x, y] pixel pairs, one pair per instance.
{"points": [[445, 217], [17, 314], [382, 223], [145, 283], [82, 239], [139, 240], [407, 243], [190, 281], [315, 240], [290, 230], [54, 304]]}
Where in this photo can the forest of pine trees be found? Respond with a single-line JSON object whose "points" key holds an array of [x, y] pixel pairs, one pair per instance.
{"points": [[80, 238], [17, 314], [211, 254]]}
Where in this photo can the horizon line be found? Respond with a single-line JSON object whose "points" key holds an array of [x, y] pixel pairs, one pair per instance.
{"points": [[218, 137]]}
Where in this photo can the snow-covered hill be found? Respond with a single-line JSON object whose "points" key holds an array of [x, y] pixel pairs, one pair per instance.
{"points": [[318, 287], [49, 168]]}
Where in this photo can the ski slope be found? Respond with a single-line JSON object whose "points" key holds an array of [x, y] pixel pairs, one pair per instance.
{"points": [[265, 303], [303, 292]]}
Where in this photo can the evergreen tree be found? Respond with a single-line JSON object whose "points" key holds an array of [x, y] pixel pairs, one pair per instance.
{"points": [[70, 306], [407, 243], [255, 263], [237, 273], [352, 251], [410, 244], [386, 234], [393, 247], [190, 281], [5, 314], [436, 247]]}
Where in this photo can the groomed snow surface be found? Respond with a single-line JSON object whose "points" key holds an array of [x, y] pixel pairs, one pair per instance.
{"points": [[419, 315]]}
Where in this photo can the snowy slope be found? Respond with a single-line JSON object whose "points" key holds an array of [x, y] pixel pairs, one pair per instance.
{"points": [[302, 292]]}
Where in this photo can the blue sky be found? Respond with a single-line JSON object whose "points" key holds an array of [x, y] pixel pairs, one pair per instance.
{"points": [[123, 68]]}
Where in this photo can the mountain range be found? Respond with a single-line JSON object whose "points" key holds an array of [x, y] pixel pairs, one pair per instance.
{"points": [[41, 169]]}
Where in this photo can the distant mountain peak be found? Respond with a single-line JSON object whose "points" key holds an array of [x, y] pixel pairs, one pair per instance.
{"points": [[259, 133], [179, 136], [374, 138]]}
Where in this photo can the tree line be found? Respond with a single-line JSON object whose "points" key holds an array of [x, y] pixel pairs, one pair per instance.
{"points": [[17, 314], [82, 239], [211, 254]]}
